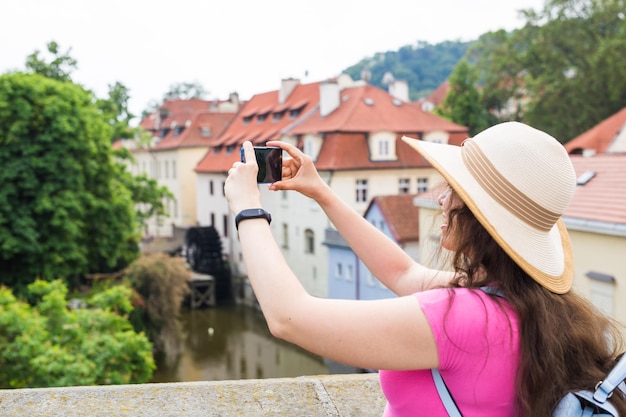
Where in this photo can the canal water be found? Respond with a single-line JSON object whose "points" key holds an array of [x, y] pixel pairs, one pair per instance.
{"points": [[233, 342]]}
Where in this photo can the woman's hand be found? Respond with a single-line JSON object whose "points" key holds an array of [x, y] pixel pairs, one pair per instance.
{"points": [[299, 173], [241, 189]]}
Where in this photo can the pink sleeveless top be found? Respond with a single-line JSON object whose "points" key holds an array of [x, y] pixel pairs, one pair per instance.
{"points": [[478, 348]]}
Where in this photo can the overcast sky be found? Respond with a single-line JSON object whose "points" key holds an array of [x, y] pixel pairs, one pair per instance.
{"points": [[246, 46]]}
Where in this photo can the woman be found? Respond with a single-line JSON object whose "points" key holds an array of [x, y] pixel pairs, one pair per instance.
{"points": [[515, 353]]}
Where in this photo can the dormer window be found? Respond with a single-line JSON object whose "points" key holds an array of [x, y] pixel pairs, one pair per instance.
{"points": [[294, 113], [230, 149], [277, 116], [178, 130], [261, 118], [247, 120], [205, 132], [382, 146]]}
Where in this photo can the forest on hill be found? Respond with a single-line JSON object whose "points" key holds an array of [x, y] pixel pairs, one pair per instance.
{"points": [[563, 72], [423, 66]]}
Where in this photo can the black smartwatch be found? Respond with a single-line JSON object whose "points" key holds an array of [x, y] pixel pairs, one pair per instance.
{"points": [[256, 213]]}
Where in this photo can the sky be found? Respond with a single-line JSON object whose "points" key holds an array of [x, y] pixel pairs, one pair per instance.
{"points": [[243, 46]]}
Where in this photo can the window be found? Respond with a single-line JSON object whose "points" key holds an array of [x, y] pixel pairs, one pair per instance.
{"points": [[225, 225], [339, 270], [174, 169], [361, 191], [205, 132], [212, 216], [277, 116], [602, 289], [404, 185], [294, 113], [210, 187], [167, 169], [371, 281], [247, 120], [285, 236], [309, 241], [383, 148], [349, 273], [422, 185], [261, 118]]}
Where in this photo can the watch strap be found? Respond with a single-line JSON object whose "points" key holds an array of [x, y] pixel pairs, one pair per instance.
{"points": [[255, 213]]}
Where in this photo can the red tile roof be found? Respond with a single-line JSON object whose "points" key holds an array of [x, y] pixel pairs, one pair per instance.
{"points": [[362, 110], [203, 129], [350, 151], [600, 137], [370, 109], [177, 110], [440, 93], [400, 214], [186, 123], [603, 198]]}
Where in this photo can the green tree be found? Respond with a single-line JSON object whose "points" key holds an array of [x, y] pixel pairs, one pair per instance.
{"points": [[462, 104], [423, 66], [48, 345], [568, 61], [185, 91], [63, 210], [115, 110], [60, 66]]}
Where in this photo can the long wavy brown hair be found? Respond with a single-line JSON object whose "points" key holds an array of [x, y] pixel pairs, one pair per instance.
{"points": [[565, 342]]}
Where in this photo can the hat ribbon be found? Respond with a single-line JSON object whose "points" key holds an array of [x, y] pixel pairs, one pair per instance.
{"points": [[502, 191]]}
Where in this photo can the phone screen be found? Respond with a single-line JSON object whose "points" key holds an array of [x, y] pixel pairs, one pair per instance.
{"points": [[270, 162]]}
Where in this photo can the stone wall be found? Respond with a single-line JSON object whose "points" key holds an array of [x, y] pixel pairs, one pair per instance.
{"points": [[355, 395]]}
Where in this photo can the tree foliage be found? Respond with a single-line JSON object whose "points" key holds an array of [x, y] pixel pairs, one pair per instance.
{"points": [[60, 66], [48, 345], [185, 91], [568, 61], [63, 210], [423, 66], [115, 110], [162, 282], [462, 103]]}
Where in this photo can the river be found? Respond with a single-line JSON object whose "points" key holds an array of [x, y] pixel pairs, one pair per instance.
{"points": [[233, 342]]}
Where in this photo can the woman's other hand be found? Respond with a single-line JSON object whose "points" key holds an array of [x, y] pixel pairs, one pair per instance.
{"points": [[241, 189], [299, 173]]}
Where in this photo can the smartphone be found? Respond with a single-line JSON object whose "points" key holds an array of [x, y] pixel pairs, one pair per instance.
{"points": [[270, 162]]}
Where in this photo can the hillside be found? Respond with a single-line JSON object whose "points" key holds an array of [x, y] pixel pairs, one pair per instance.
{"points": [[424, 66]]}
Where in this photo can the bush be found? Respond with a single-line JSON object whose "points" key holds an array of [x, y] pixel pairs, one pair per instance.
{"points": [[162, 282], [48, 345]]}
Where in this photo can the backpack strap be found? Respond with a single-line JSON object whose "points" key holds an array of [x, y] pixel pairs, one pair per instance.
{"points": [[440, 384], [614, 379], [444, 394]]}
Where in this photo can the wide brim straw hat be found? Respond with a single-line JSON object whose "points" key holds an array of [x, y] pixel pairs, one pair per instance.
{"points": [[517, 181]]}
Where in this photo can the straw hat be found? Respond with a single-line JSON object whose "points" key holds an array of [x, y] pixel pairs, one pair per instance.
{"points": [[517, 181]]}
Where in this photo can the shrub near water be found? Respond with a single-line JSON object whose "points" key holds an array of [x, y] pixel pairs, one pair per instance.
{"points": [[48, 345], [162, 283]]}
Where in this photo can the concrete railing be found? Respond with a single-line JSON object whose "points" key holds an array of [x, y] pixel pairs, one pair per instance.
{"points": [[356, 395]]}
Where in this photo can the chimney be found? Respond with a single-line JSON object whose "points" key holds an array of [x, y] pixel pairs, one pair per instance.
{"points": [[329, 97], [286, 87], [234, 98], [399, 89]]}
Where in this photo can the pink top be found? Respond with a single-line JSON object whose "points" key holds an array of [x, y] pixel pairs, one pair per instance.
{"points": [[478, 349]]}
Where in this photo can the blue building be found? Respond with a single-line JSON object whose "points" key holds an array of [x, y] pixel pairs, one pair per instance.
{"points": [[348, 277]]}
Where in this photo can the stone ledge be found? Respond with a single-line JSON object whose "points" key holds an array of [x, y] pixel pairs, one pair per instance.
{"points": [[354, 395]]}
